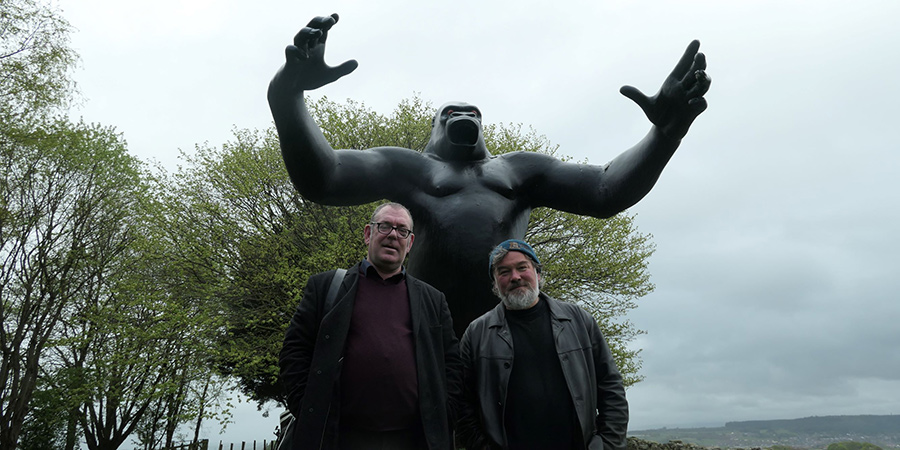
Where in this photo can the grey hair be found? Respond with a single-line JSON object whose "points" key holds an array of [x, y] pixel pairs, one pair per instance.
{"points": [[392, 205], [498, 256]]}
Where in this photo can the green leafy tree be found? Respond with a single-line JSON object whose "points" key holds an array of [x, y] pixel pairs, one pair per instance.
{"points": [[850, 445], [35, 62], [64, 202], [94, 321], [264, 240], [94, 316], [45, 425], [139, 343], [194, 392], [42, 215], [187, 392], [142, 358], [259, 243]]}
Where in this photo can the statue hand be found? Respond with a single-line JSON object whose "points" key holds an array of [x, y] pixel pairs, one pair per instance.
{"points": [[305, 68], [680, 99]]}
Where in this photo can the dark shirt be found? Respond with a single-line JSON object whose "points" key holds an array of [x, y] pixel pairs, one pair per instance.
{"points": [[379, 385], [539, 411]]}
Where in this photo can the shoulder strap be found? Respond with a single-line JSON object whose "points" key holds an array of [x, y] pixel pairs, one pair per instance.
{"points": [[288, 422], [333, 289]]}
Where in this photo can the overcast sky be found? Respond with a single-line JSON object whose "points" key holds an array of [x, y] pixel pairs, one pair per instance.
{"points": [[775, 223]]}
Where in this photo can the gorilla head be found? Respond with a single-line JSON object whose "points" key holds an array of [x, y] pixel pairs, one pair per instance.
{"points": [[456, 133]]}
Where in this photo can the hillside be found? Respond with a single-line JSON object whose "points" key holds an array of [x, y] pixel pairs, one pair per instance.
{"points": [[808, 432]]}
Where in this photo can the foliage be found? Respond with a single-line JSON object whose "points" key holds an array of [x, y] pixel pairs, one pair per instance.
{"points": [[98, 326], [46, 423], [92, 310], [133, 346], [246, 235], [65, 198], [850, 445], [89, 312], [35, 60]]}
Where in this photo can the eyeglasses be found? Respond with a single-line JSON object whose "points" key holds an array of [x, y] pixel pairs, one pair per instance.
{"points": [[386, 228]]}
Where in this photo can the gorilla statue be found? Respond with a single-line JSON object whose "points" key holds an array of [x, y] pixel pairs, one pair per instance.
{"points": [[463, 200]]}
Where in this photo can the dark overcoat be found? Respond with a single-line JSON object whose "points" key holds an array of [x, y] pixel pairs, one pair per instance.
{"points": [[311, 357]]}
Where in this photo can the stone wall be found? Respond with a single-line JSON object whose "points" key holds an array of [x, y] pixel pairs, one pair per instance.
{"points": [[639, 444]]}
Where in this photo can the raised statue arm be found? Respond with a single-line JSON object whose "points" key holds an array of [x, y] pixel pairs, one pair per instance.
{"points": [[680, 99], [318, 171], [603, 191]]}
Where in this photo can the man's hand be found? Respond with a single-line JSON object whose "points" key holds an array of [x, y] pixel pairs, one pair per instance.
{"points": [[680, 99], [305, 68]]}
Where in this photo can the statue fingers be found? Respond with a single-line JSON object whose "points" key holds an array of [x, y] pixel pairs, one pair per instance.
{"points": [[647, 104], [697, 105], [699, 62], [323, 22], [327, 26], [292, 52], [684, 64], [700, 85], [306, 38], [344, 68], [690, 78], [636, 96]]}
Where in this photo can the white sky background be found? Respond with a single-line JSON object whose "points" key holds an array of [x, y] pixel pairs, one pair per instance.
{"points": [[775, 222]]}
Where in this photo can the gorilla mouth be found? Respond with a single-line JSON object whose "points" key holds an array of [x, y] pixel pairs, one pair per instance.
{"points": [[463, 131]]}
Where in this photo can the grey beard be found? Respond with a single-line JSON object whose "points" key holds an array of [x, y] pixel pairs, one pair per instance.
{"points": [[520, 299]]}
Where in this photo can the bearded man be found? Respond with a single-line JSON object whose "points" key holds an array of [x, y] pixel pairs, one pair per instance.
{"points": [[538, 373]]}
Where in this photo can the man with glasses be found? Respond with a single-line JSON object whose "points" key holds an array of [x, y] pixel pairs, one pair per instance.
{"points": [[378, 367]]}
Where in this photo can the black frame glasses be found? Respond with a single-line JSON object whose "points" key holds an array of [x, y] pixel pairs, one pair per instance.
{"points": [[386, 228]]}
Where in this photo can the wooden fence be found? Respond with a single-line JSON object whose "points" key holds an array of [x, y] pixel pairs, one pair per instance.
{"points": [[204, 445], [264, 445], [200, 445]]}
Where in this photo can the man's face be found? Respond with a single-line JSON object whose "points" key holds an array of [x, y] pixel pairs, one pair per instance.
{"points": [[387, 251], [516, 281]]}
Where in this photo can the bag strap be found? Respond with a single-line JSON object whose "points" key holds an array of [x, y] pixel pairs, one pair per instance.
{"points": [[287, 420], [333, 289]]}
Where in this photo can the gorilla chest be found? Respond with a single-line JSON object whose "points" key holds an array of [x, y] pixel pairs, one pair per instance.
{"points": [[477, 182]]}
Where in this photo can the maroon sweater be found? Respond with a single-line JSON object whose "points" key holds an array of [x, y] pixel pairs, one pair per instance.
{"points": [[379, 386]]}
